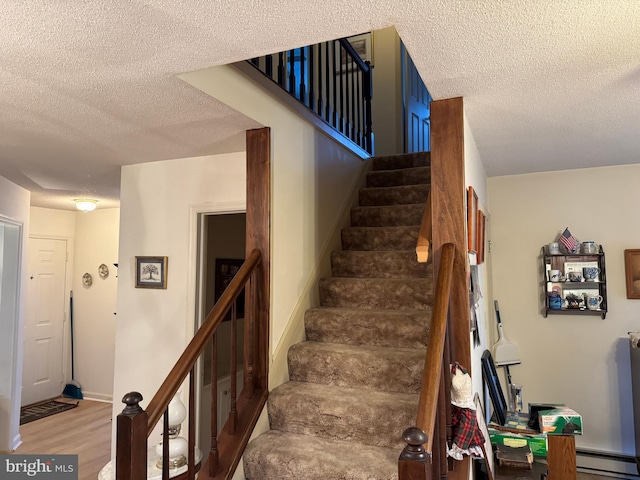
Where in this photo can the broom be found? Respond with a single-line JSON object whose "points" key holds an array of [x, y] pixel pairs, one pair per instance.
{"points": [[73, 388]]}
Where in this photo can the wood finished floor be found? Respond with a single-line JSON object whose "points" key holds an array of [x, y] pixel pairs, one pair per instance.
{"points": [[85, 431]]}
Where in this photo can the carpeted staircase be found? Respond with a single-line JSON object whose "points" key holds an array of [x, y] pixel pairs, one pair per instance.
{"points": [[354, 383]]}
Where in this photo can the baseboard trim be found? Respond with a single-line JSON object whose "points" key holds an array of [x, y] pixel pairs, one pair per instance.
{"points": [[606, 463], [98, 397]]}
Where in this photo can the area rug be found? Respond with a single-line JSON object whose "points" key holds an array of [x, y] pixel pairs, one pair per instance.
{"points": [[34, 412]]}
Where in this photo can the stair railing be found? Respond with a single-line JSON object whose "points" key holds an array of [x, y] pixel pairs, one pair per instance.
{"points": [[425, 456], [134, 424], [332, 81]]}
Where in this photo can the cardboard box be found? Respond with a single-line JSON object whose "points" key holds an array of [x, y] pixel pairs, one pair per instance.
{"points": [[537, 443], [560, 421]]}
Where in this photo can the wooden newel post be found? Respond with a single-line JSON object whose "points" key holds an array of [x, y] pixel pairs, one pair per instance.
{"points": [[414, 462], [131, 446]]}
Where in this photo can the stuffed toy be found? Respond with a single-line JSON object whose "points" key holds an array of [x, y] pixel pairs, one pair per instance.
{"points": [[466, 435]]}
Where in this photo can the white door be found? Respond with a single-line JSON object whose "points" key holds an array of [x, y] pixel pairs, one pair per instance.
{"points": [[44, 320]]}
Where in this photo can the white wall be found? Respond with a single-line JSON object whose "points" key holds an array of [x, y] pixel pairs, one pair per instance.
{"points": [[58, 224], [582, 361], [153, 326], [94, 308], [92, 239], [14, 210], [387, 92], [312, 179], [476, 177]]}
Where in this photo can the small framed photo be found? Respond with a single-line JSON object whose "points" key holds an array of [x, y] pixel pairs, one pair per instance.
{"points": [[632, 272], [472, 220], [482, 219], [151, 272]]}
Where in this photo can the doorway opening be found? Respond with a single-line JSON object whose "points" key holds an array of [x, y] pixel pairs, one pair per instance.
{"points": [[221, 251], [10, 260]]}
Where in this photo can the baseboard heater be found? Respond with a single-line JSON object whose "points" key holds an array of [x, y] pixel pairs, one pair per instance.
{"points": [[605, 463]]}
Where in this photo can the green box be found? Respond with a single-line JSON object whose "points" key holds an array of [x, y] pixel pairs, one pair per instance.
{"points": [[537, 443], [560, 421]]}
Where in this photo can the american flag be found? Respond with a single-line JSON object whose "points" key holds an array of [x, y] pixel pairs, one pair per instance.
{"points": [[568, 240]]}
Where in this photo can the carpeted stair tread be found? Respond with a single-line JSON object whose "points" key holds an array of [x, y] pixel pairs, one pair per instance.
{"points": [[368, 264], [340, 413], [405, 176], [400, 195], [287, 456], [375, 368], [360, 326], [387, 215], [402, 160], [376, 293], [380, 238]]}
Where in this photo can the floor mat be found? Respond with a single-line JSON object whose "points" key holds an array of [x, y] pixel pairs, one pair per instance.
{"points": [[37, 411]]}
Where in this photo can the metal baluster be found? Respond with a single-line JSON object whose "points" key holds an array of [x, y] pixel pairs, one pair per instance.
{"points": [[303, 78], [352, 92], [292, 74], [281, 70], [269, 65], [320, 102], [312, 78], [359, 107], [340, 51], [331, 74]]}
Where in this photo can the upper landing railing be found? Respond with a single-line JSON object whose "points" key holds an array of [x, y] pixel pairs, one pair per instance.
{"points": [[331, 80]]}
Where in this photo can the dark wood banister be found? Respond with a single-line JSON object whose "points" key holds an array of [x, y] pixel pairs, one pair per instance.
{"points": [[187, 360], [416, 462], [428, 404], [134, 425]]}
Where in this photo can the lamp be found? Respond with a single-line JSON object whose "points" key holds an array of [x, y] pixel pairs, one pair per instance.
{"points": [[85, 204], [178, 446]]}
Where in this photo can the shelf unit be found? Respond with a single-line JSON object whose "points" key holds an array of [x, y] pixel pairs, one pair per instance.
{"points": [[572, 262]]}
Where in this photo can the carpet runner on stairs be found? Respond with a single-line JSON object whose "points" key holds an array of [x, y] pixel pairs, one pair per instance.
{"points": [[354, 383]]}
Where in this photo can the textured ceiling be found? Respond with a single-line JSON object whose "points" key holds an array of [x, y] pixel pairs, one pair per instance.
{"points": [[87, 86]]}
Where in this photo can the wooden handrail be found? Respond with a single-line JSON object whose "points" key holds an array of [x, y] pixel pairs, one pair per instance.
{"points": [[426, 229], [428, 404], [187, 360]]}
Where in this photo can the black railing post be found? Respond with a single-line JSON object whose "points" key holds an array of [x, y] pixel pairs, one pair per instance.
{"points": [[131, 446], [336, 84], [368, 95]]}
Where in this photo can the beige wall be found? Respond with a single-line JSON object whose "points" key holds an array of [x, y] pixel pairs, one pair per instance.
{"points": [[14, 210], [94, 308], [92, 239], [476, 177], [312, 180], [582, 361], [387, 92], [159, 202]]}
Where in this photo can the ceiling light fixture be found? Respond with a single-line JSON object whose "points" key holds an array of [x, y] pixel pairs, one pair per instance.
{"points": [[85, 204]]}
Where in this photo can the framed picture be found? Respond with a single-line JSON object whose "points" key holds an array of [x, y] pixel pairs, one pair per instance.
{"points": [[151, 272], [632, 272], [487, 449], [481, 236], [226, 269], [472, 220]]}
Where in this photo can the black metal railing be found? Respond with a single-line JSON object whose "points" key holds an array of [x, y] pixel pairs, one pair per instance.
{"points": [[332, 81]]}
